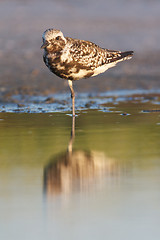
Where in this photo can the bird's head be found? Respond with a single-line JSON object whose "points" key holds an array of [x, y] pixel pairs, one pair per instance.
{"points": [[52, 38]]}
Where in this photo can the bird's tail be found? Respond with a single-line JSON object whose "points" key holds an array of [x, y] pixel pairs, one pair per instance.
{"points": [[117, 56], [126, 55]]}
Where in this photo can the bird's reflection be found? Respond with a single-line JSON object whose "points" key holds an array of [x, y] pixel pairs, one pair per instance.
{"points": [[76, 170]]}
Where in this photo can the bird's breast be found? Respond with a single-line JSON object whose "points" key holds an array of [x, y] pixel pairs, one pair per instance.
{"points": [[64, 66]]}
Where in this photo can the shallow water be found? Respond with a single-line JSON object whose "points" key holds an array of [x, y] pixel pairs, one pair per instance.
{"points": [[103, 182]]}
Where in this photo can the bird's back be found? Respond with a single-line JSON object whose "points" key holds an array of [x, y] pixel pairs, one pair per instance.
{"points": [[82, 59]]}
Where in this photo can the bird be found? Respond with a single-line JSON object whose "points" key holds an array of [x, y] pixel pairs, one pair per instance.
{"points": [[73, 59]]}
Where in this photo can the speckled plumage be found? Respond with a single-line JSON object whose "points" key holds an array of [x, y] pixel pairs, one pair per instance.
{"points": [[74, 59]]}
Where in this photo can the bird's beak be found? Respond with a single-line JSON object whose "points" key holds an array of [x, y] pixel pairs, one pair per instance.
{"points": [[45, 44]]}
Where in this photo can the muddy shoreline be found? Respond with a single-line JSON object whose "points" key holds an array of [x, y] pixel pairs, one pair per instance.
{"points": [[22, 70], [104, 102]]}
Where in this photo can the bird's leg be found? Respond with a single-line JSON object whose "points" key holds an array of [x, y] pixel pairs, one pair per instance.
{"points": [[72, 96], [70, 144]]}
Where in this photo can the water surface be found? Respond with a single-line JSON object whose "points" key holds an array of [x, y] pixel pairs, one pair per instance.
{"points": [[102, 182]]}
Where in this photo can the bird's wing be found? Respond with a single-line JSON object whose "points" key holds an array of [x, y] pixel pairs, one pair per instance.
{"points": [[90, 54]]}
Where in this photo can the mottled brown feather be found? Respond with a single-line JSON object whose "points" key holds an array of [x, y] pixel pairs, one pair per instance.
{"points": [[82, 58]]}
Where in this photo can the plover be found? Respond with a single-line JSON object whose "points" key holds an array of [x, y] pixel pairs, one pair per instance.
{"points": [[74, 59]]}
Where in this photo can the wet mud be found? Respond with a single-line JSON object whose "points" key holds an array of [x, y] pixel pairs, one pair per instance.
{"points": [[84, 101]]}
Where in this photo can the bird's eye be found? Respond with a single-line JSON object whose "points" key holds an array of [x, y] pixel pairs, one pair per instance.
{"points": [[57, 38]]}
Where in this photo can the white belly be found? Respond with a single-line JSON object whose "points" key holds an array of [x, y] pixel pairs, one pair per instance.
{"points": [[103, 68]]}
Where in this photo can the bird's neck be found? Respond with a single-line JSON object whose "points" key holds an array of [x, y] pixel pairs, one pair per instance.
{"points": [[54, 48]]}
